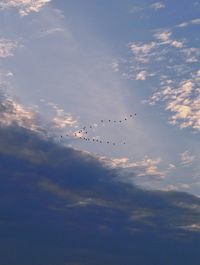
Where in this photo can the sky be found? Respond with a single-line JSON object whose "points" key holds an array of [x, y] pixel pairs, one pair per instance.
{"points": [[100, 132], [73, 64]]}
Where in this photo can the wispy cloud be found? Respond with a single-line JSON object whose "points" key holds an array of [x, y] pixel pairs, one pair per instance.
{"points": [[50, 31], [146, 167], [7, 47], [12, 112], [155, 6], [62, 120], [187, 159], [195, 21], [24, 6]]}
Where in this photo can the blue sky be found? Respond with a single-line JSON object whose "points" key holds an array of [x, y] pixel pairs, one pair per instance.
{"points": [[67, 64], [130, 193]]}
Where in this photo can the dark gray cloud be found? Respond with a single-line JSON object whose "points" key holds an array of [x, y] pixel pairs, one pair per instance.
{"points": [[62, 206]]}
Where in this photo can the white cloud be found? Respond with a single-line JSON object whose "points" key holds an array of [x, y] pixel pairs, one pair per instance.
{"points": [[191, 54], [188, 23], [62, 119], [183, 24], [178, 84], [50, 31], [24, 6], [187, 159], [195, 21], [144, 168], [183, 100], [12, 112], [157, 5], [177, 44], [115, 66], [191, 227], [142, 51], [165, 37], [7, 47], [141, 75], [143, 48], [136, 9]]}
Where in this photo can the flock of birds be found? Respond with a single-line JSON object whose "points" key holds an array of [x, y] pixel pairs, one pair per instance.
{"points": [[84, 132]]}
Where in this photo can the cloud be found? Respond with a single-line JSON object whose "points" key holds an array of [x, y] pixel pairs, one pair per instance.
{"points": [[24, 6], [167, 57], [147, 167], [183, 101], [142, 48], [187, 159], [157, 5], [189, 23], [66, 195], [143, 51], [50, 31], [141, 75], [62, 120], [165, 37], [7, 47], [12, 112], [115, 66], [192, 227], [191, 54]]}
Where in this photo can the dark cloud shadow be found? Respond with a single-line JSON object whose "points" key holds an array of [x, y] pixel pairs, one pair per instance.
{"points": [[62, 206]]}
